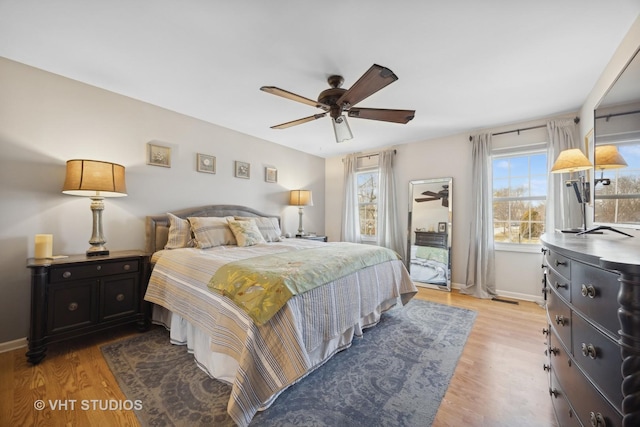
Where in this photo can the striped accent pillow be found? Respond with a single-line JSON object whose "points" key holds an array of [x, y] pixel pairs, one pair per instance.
{"points": [[211, 231], [269, 227], [179, 233]]}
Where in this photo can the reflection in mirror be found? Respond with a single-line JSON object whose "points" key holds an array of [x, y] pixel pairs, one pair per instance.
{"points": [[617, 150], [429, 236]]}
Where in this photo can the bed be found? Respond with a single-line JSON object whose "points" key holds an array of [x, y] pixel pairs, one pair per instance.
{"points": [[258, 356]]}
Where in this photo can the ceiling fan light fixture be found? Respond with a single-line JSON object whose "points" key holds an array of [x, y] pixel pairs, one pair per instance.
{"points": [[341, 128]]}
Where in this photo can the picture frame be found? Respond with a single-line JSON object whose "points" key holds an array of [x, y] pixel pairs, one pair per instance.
{"points": [[206, 163], [242, 170], [442, 227], [158, 155], [270, 174]]}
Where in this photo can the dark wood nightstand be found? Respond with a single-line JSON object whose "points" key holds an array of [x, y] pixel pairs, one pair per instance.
{"points": [[318, 238], [80, 295]]}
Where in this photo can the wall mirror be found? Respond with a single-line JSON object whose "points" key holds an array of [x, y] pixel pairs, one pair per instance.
{"points": [[616, 194], [429, 234]]}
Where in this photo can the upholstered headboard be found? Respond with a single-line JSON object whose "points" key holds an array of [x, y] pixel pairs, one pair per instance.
{"points": [[157, 226]]}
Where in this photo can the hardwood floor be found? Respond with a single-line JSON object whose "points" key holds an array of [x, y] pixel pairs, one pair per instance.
{"points": [[499, 380]]}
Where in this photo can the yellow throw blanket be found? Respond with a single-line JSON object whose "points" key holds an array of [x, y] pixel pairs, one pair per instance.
{"points": [[262, 285]]}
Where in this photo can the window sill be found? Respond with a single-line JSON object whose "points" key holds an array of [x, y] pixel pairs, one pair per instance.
{"points": [[515, 247]]}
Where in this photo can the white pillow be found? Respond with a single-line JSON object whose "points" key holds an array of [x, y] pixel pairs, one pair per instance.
{"points": [[268, 226], [212, 231], [246, 232], [179, 233]]}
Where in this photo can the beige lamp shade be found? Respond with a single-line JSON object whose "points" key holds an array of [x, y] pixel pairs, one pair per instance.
{"points": [[93, 177], [608, 157], [571, 160], [300, 198]]}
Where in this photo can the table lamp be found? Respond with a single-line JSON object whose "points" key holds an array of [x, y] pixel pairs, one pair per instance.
{"points": [[300, 198]]}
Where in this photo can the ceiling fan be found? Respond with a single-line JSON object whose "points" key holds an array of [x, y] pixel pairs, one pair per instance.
{"points": [[336, 100], [440, 195]]}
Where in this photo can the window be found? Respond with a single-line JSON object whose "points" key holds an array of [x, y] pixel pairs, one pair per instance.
{"points": [[367, 182], [617, 191], [519, 196]]}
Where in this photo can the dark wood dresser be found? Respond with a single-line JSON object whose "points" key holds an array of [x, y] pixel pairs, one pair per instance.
{"points": [[79, 295], [431, 239], [592, 290]]}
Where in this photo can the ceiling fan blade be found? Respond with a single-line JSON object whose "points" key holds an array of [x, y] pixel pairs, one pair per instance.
{"points": [[299, 121], [372, 81], [445, 202], [395, 116], [294, 97], [432, 194], [427, 199]]}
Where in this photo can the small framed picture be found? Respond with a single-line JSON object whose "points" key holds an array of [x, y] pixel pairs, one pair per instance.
{"points": [[243, 170], [158, 155], [206, 163], [271, 174], [442, 227]]}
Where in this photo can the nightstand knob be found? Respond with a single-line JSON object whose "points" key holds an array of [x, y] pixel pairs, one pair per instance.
{"points": [[127, 267], [66, 274], [120, 297], [73, 306]]}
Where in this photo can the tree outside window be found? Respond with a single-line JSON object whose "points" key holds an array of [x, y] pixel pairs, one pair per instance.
{"points": [[368, 203]]}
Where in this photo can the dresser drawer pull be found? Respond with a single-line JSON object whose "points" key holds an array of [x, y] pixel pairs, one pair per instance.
{"points": [[560, 320], [126, 267], [73, 306], [546, 367], [66, 274], [120, 297], [597, 420], [554, 351], [545, 331], [553, 392], [561, 285], [557, 263], [98, 267], [589, 350], [588, 291]]}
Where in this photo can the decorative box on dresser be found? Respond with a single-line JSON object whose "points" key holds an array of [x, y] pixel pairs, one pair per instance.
{"points": [[592, 290], [80, 295]]}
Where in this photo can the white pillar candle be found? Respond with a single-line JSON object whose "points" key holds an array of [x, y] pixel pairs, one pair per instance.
{"points": [[44, 246]]}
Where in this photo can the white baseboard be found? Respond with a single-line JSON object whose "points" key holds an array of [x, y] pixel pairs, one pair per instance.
{"points": [[513, 295], [13, 345]]}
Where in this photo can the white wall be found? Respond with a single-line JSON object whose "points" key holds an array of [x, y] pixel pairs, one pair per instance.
{"points": [[46, 120]]}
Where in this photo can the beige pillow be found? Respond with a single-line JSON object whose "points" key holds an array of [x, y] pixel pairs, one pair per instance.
{"points": [[269, 227], [179, 233], [246, 232], [211, 231]]}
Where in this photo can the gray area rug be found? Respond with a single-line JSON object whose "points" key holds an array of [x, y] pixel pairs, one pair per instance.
{"points": [[395, 375]]}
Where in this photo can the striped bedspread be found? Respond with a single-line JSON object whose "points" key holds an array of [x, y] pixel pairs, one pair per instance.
{"points": [[275, 355]]}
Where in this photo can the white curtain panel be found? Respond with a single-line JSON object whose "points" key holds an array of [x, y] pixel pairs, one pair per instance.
{"points": [[563, 210], [350, 214], [480, 281], [389, 234]]}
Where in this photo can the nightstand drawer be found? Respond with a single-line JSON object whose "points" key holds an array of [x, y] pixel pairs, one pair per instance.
{"points": [[70, 306], [97, 269], [118, 296]]}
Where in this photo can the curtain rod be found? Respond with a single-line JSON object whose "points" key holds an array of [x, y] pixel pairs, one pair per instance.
{"points": [[372, 155], [608, 116], [575, 120]]}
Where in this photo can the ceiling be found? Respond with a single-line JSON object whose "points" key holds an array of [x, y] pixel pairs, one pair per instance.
{"points": [[463, 65]]}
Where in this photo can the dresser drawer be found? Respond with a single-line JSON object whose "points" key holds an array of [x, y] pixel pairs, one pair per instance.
{"points": [[559, 317], [599, 357], [564, 414], [559, 263], [71, 306], [560, 284], [85, 271], [595, 294]]}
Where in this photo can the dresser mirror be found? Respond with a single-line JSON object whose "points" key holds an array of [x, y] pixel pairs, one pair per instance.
{"points": [[429, 232], [616, 192]]}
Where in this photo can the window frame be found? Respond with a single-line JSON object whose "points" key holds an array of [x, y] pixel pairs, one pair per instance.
{"points": [[514, 152]]}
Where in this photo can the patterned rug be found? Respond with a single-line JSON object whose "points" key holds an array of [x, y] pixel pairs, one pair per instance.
{"points": [[395, 375]]}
